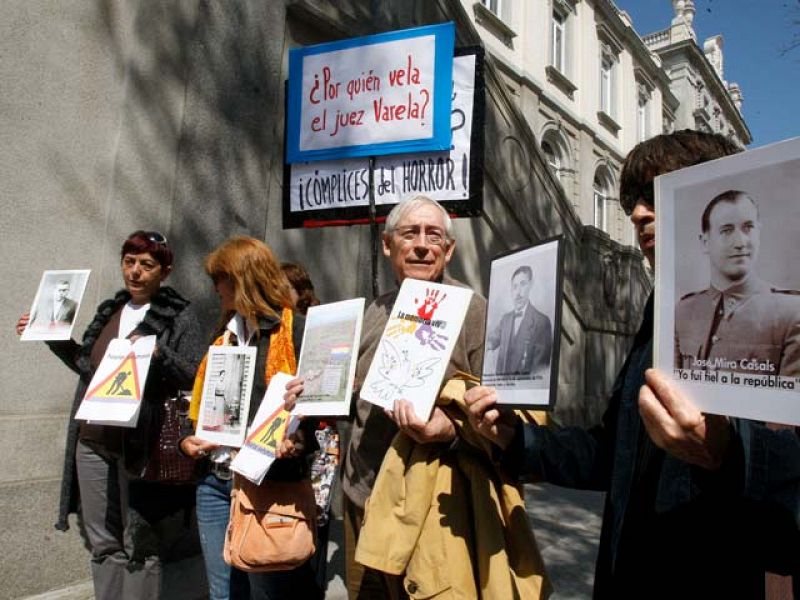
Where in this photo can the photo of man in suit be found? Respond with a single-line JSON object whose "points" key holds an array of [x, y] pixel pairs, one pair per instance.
{"points": [[524, 337], [739, 322], [57, 310]]}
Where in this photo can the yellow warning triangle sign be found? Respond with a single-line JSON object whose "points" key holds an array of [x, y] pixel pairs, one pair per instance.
{"points": [[121, 384], [270, 432]]}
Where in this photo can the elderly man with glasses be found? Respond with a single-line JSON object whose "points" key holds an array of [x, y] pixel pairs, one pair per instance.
{"points": [[418, 241]]}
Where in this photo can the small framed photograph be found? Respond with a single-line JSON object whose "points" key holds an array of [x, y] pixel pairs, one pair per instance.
{"points": [[56, 305], [523, 321], [328, 358], [225, 405], [727, 305]]}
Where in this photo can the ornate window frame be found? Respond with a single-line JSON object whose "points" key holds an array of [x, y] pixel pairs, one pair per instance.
{"points": [[602, 196], [560, 36]]}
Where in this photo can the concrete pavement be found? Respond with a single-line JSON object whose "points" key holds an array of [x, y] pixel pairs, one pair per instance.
{"points": [[566, 524]]}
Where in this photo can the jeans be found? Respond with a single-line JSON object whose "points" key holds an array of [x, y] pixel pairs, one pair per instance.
{"points": [[213, 511], [225, 582]]}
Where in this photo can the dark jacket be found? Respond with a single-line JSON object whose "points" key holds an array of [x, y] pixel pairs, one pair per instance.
{"points": [[180, 347], [671, 529], [287, 469]]}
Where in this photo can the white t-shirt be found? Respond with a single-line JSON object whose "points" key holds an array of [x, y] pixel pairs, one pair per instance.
{"points": [[132, 315]]}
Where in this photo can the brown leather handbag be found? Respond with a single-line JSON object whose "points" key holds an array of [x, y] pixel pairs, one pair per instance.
{"points": [[272, 526]]}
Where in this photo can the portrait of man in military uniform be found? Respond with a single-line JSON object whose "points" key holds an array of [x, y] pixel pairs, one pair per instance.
{"points": [[740, 322]]}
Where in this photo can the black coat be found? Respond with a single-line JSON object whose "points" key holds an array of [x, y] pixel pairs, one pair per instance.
{"points": [[180, 347], [670, 529]]}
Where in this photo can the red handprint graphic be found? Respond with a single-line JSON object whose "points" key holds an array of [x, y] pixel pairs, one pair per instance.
{"points": [[430, 304]]}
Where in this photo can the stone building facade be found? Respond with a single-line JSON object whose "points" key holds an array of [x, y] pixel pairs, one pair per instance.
{"points": [[707, 101], [169, 116], [587, 85], [591, 88]]}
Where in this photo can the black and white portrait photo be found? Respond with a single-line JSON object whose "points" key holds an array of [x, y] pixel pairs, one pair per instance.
{"points": [[226, 394], [55, 306], [730, 283], [522, 317], [524, 336], [739, 321]]}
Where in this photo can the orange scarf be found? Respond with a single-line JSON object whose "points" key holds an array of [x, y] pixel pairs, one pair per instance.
{"points": [[280, 359]]}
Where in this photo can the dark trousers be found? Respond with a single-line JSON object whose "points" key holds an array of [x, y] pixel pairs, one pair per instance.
{"points": [[124, 545], [364, 583]]}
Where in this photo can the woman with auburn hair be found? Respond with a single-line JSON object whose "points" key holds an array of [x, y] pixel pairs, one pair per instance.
{"points": [[256, 310]]}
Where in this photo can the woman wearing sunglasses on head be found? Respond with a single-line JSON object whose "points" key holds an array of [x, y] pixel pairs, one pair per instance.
{"points": [[256, 310], [118, 510]]}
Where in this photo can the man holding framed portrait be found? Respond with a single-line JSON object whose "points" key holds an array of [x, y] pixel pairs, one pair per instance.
{"points": [[697, 505]]}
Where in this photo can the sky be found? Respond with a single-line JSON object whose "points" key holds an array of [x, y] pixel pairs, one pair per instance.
{"points": [[757, 36]]}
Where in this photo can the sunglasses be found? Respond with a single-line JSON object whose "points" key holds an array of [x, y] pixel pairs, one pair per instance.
{"points": [[645, 193], [152, 236]]}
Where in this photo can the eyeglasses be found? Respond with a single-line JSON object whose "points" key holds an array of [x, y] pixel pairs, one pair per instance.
{"points": [[431, 236], [153, 236], [644, 193]]}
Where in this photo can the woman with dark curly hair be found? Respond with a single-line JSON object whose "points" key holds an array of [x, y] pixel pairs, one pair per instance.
{"points": [[302, 290]]}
